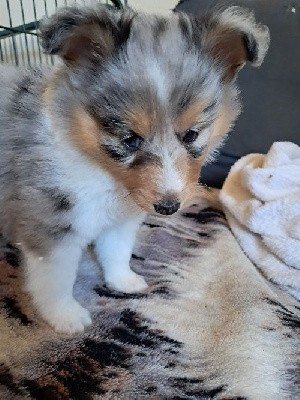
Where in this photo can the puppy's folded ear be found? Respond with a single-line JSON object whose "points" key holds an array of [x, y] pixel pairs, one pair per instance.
{"points": [[76, 34], [232, 38]]}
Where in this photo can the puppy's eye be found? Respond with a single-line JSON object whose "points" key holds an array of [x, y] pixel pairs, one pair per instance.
{"points": [[133, 142], [190, 136]]}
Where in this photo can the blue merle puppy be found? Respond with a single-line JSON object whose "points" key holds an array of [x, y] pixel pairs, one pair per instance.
{"points": [[117, 129]]}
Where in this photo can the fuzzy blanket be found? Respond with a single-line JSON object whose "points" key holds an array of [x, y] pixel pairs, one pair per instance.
{"points": [[261, 199], [209, 327]]}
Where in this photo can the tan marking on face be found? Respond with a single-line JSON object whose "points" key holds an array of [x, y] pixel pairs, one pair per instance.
{"points": [[224, 120], [142, 183], [226, 116], [193, 177], [190, 170], [189, 117], [85, 133], [139, 121], [87, 136]]}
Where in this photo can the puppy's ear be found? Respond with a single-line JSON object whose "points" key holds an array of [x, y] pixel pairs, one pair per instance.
{"points": [[76, 33], [232, 38]]}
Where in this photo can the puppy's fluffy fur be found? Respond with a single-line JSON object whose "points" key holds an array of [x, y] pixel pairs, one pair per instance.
{"points": [[121, 126]]}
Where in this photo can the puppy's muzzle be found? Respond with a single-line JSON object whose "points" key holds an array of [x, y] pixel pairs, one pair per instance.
{"points": [[167, 207]]}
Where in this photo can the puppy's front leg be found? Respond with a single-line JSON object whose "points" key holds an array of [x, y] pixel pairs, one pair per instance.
{"points": [[50, 281], [114, 247]]}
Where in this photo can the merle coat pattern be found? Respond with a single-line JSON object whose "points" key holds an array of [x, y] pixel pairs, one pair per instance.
{"points": [[121, 127]]}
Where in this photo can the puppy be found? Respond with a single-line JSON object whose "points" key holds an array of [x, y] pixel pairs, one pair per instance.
{"points": [[120, 128]]}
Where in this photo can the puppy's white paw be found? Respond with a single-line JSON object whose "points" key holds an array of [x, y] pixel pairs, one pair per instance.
{"points": [[128, 282], [68, 317]]}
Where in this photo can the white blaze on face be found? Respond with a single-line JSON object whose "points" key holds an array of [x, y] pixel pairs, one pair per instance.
{"points": [[158, 79], [171, 179]]}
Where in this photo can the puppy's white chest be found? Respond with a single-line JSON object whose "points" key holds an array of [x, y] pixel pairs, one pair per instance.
{"points": [[95, 211]]}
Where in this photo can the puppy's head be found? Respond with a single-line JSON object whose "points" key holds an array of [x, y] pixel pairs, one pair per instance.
{"points": [[149, 98]]}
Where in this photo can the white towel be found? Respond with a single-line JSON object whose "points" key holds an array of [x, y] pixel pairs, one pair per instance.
{"points": [[261, 199]]}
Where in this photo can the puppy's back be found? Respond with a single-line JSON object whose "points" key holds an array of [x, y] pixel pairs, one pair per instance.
{"points": [[20, 115], [9, 77]]}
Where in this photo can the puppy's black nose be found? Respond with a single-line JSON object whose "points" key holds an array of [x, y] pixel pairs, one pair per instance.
{"points": [[167, 207]]}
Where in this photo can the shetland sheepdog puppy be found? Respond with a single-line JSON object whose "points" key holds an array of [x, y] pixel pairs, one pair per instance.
{"points": [[119, 128]]}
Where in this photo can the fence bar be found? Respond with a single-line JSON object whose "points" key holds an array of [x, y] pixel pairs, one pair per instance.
{"points": [[46, 8], [19, 47], [22, 49], [46, 13], [33, 50], [7, 31], [36, 28], [1, 53], [13, 39], [5, 51], [26, 41]]}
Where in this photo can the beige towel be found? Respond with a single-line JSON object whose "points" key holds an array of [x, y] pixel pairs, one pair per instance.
{"points": [[261, 199]]}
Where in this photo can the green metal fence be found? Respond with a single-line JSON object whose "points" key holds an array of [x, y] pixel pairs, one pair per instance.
{"points": [[19, 42]]}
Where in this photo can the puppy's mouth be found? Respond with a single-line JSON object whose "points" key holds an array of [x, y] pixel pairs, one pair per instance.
{"points": [[167, 207]]}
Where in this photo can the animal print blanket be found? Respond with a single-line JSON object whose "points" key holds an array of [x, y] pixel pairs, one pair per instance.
{"points": [[209, 327]]}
